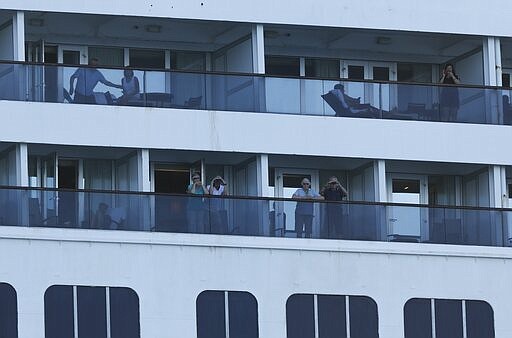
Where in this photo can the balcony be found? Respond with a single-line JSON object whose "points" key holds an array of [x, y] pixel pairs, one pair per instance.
{"points": [[261, 94], [250, 216]]}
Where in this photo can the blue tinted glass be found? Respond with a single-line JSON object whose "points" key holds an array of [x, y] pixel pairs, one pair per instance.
{"points": [[8, 312], [332, 320], [448, 318], [58, 312], [300, 317], [363, 317], [92, 315], [418, 318], [479, 319], [210, 312], [124, 313], [243, 315]]}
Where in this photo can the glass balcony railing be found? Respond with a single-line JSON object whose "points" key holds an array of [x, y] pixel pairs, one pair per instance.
{"points": [[36, 207], [255, 93]]}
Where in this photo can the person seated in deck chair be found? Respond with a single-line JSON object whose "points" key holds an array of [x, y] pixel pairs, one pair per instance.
{"points": [[339, 92]]}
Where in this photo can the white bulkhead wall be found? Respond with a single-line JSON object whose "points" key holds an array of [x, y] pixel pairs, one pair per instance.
{"points": [[168, 271], [474, 17], [155, 128]]}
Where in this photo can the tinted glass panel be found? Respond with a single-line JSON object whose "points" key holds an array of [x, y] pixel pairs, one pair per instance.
{"points": [[92, 316], [146, 58], [418, 318], [124, 313], [381, 73], [195, 61], [8, 312], [210, 312], [300, 317], [406, 186], [322, 68], [356, 72], [414, 72], [448, 318], [479, 320], [243, 315], [505, 80], [363, 317], [332, 320], [276, 65], [107, 56], [58, 312]]}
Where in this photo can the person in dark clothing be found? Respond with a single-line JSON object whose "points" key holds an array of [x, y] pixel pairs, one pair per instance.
{"points": [[449, 97], [334, 191]]}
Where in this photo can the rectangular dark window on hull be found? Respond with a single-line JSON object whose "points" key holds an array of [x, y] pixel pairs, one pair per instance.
{"points": [[89, 311], [307, 314], [242, 315], [452, 318], [8, 312]]}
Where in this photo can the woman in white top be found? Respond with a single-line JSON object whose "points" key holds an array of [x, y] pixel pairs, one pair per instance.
{"points": [[130, 85], [218, 216]]}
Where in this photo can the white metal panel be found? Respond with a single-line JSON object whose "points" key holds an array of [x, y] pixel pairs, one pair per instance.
{"points": [[168, 271], [254, 133]]}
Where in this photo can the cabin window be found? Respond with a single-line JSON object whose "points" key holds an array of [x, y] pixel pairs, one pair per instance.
{"points": [[322, 68], [226, 314], [188, 61], [327, 315], [8, 312], [147, 58], [282, 65], [88, 311], [452, 318]]}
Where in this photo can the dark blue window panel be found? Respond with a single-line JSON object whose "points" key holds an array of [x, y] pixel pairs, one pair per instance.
{"points": [[418, 318], [124, 313], [448, 318], [332, 320], [210, 315], [479, 319], [243, 315], [92, 316], [8, 312], [58, 312], [300, 316], [364, 320]]}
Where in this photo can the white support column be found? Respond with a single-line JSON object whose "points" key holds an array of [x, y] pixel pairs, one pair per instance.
{"points": [[497, 187], [22, 165], [492, 77], [18, 38], [492, 61], [143, 170], [258, 49], [262, 174], [379, 177]]}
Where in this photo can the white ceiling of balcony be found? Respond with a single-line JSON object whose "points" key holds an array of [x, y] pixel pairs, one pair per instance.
{"points": [[279, 39], [368, 44], [133, 31]]}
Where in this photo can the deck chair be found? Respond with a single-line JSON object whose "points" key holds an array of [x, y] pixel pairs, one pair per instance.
{"points": [[194, 102]]}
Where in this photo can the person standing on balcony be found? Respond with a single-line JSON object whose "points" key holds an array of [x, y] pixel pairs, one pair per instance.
{"points": [[334, 191], [86, 79], [304, 211], [449, 98], [218, 215], [195, 211]]}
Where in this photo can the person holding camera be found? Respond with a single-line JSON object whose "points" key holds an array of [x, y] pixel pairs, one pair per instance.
{"points": [[449, 98], [195, 210]]}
